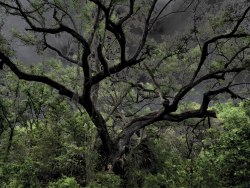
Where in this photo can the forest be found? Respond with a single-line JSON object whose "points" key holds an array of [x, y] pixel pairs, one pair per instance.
{"points": [[91, 123]]}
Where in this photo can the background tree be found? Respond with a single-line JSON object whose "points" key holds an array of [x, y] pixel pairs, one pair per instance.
{"points": [[211, 63]]}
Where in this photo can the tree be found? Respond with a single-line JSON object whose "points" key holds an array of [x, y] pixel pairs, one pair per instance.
{"points": [[210, 63]]}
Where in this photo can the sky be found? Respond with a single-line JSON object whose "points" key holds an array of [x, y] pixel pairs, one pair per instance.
{"points": [[167, 26]]}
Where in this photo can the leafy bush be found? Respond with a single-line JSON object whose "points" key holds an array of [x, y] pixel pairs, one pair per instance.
{"points": [[15, 175], [105, 181], [226, 163], [65, 182]]}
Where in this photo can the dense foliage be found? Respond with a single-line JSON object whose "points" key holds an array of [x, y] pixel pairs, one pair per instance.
{"points": [[62, 127]]}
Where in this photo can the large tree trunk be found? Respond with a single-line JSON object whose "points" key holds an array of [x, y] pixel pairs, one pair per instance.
{"points": [[114, 162], [117, 164]]}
